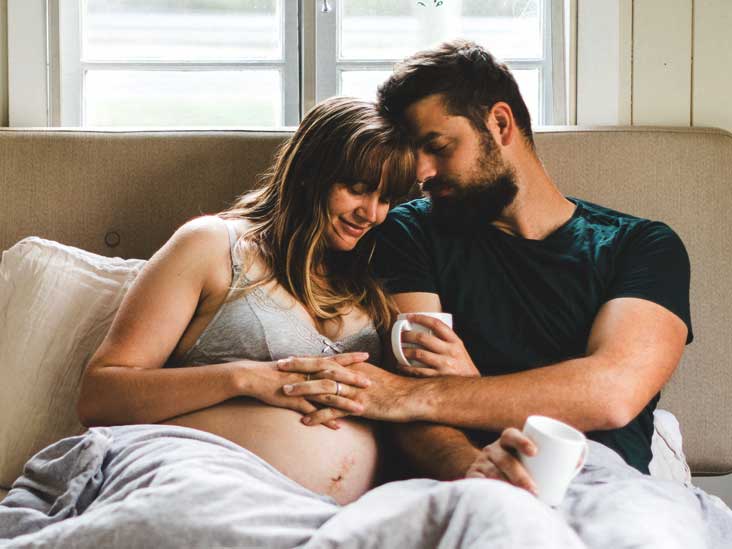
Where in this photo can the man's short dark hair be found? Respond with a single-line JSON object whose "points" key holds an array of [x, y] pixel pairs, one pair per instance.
{"points": [[468, 76]]}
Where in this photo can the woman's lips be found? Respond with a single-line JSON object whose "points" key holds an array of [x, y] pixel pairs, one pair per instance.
{"points": [[352, 230]]}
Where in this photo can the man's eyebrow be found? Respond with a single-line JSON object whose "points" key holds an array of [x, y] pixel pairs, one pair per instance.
{"points": [[426, 138]]}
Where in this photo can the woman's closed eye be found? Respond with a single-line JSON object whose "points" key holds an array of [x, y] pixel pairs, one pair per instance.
{"points": [[362, 188], [359, 188]]}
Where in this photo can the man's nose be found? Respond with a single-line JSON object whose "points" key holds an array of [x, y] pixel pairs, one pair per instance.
{"points": [[425, 167]]}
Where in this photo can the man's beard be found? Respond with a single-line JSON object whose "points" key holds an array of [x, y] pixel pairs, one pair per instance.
{"points": [[477, 201]]}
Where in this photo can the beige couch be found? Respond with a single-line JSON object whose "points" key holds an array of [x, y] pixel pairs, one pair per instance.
{"points": [[124, 193]]}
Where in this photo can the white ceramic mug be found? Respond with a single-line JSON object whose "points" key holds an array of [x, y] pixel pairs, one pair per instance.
{"points": [[401, 325], [562, 451]]}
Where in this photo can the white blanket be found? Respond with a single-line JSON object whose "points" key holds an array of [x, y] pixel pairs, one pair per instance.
{"points": [[161, 486]]}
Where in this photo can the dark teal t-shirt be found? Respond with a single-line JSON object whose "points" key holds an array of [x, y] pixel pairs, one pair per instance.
{"points": [[519, 304]]}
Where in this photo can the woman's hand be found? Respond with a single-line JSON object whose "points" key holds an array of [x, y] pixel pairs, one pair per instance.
{"points": [[441, 352], [264, 381], [326, 375], [500, 461], [328, 381], [385, 397]]}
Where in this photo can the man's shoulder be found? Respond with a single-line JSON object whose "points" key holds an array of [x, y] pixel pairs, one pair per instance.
{"points": [[412, 217], [418, 209], [628, 227], [603, 215]]}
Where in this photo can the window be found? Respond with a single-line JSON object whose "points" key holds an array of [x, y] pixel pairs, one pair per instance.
{"points": [[361, 40], [179, 63], [214, 63]]}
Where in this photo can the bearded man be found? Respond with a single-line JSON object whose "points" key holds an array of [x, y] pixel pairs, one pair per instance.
{"points": [[561, 308], [566, 308]]}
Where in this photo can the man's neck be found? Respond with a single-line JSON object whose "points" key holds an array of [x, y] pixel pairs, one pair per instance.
{"points": [[539, 207]]}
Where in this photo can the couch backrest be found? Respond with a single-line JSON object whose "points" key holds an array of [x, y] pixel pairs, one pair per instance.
{"points": [[124, 193], [121, 193]]}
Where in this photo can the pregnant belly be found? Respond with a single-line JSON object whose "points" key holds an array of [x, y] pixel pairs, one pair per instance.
{"points": [[341, 464]]}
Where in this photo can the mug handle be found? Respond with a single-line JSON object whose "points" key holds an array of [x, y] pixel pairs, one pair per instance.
{"points": [[582, 460], [396, 340]]}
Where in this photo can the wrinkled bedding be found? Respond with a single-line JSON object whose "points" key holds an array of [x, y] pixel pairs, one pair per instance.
{"points": [[163, 486]]}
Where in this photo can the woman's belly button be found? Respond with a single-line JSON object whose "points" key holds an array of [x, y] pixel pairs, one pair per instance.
{"points": [[342, 472]]}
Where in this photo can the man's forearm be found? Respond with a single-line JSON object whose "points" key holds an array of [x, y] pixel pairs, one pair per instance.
{"points": [[580, 392], [436, 451]]}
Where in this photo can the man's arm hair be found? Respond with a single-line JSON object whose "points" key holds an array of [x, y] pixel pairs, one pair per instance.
{"points": [[634, 347], [435, 451]]}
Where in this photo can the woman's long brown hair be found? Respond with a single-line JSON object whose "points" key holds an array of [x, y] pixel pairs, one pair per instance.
{"points": [[341, 140]]}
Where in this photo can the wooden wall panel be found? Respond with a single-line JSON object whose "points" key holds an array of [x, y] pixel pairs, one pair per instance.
{"points": [[712, 74], [662, 62], [3, 62], [603, 62], [27, 102]]}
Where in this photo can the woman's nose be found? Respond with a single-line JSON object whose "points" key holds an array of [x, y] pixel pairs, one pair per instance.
{"points": [[369, 207]]}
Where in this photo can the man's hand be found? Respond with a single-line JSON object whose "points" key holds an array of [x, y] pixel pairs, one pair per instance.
{"points": [[500, 461], [442, 352], [385, 397]]}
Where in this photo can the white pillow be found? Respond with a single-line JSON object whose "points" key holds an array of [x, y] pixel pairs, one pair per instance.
{"points": [[56, 305], [668, 461]]}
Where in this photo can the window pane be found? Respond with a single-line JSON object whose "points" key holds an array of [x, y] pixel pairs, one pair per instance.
{"points": [[393, 29], [361, 84], [178, 98], [528, 82], [195, 30]]}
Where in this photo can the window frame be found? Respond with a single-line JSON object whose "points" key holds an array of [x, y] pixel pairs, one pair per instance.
{"points": [[27, 74], [309, 68], [73, 66], [552, 86]]}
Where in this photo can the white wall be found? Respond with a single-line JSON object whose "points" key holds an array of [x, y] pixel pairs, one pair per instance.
{"points": [[712, 68], [654, 62], [3, 62], [603, 62]]}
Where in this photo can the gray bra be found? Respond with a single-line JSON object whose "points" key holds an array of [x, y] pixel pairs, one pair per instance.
{"points": [[254, 327]]}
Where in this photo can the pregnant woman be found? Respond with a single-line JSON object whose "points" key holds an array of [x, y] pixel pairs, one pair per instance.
{"points": [[282, 273]]}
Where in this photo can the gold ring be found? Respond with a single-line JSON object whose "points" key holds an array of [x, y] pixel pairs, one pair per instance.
{"points": [[338, 389]]}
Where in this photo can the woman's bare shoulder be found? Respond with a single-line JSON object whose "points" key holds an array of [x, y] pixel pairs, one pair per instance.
{"points": [[201, 230], [205, 237], [204, 241]]}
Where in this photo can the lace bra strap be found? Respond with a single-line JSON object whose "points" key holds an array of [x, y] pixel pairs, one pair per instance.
{"points": [[233, 240]]}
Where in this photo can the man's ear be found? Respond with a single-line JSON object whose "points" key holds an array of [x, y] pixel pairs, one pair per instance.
{"points": [[500, 122]]}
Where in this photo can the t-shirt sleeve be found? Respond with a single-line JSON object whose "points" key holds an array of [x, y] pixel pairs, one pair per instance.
{"points": [[402, 260], [654, 265]]}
